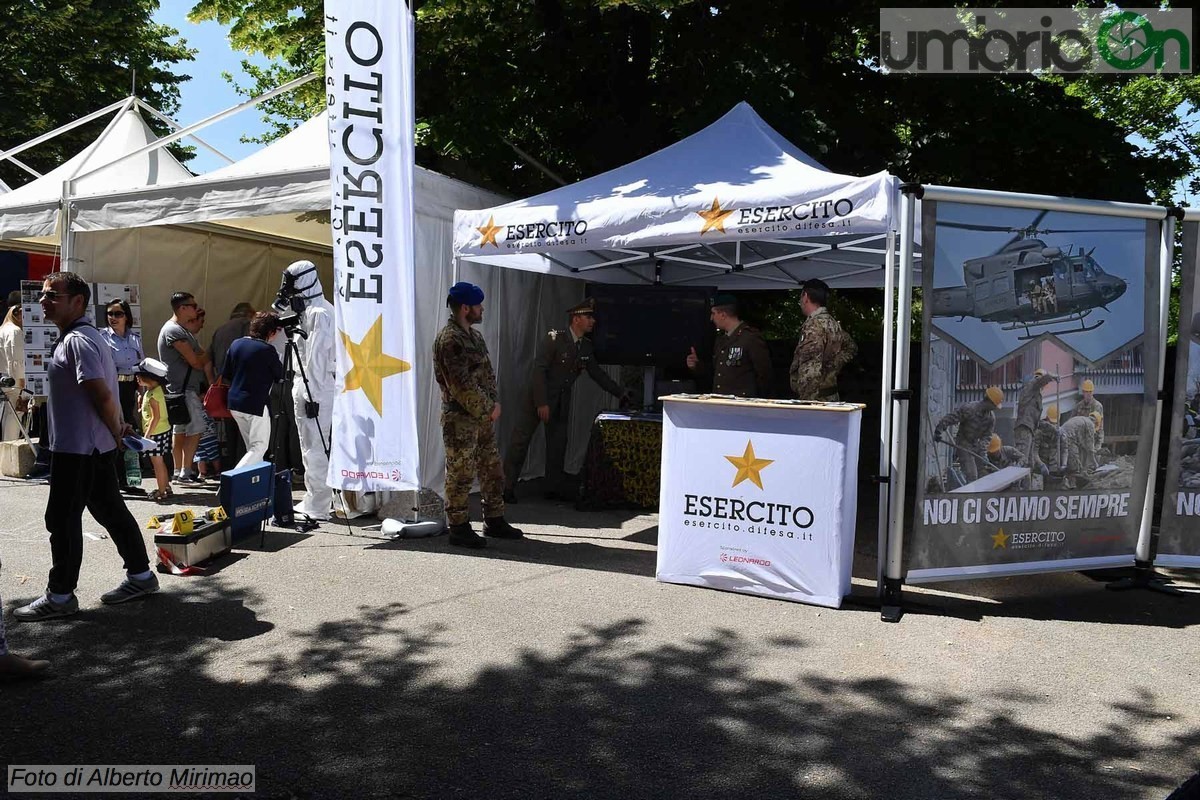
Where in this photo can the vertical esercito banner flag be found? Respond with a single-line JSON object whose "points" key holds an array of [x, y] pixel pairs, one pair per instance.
{"points": [[1179, 537], [369, 82], [1040, 358]]}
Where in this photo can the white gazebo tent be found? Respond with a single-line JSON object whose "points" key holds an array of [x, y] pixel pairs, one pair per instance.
{"points": [[228, 234], [735, 206]]}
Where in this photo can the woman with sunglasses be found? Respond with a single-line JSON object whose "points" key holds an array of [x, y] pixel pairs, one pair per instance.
{"points": [[126, 348]]}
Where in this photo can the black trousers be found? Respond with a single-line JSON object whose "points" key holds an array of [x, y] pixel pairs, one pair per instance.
{"points": [[78, 482], [127, 395]]}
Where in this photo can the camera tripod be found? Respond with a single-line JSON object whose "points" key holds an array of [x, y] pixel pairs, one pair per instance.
{"points": [[280, 429], [9, 408]]}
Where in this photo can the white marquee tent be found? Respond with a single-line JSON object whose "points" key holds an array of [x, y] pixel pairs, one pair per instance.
{"points": [[227, 236]]}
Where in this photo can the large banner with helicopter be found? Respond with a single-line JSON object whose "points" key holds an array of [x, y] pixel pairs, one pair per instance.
{"points": [[1040, 346], [1179, 532]]}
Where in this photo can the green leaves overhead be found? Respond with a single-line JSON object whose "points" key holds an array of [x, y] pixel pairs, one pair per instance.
{"points": [[582, 86], [61, 59]]}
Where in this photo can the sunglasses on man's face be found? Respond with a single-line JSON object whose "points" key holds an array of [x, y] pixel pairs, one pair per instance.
{"points": [[52, 296]]}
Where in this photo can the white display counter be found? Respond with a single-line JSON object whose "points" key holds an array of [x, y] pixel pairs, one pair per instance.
{"points": [[759, 496]]}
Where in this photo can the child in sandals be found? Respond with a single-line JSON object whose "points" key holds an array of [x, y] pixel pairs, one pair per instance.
{"points": [[151, 373]]}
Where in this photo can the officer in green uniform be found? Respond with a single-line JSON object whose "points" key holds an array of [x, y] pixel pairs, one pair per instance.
{"points": [[469, 409], [562, 356], [741, 362]]}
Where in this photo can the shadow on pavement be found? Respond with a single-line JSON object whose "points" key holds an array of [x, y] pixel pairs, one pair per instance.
{"points": [[360, 708]]}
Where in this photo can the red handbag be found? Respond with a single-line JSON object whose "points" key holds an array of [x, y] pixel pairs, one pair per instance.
{"points": [[216, 400]]}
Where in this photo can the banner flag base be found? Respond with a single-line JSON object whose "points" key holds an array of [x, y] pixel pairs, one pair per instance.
{"points": [[893, 600], [1144, 577]]}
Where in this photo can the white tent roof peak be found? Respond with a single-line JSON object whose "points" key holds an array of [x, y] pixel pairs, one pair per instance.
{"points": [[29, 210], [128, 132], [306, 147], [733, 204]]}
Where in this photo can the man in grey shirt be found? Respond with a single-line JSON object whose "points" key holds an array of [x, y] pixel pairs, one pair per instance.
{"points": [[86, 429], [187, 363]]}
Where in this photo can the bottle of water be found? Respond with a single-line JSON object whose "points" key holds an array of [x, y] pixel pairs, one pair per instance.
{"points": [[133, 468]]}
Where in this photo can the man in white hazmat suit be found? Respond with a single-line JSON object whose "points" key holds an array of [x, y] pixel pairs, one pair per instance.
{"points": [[301, 292]]}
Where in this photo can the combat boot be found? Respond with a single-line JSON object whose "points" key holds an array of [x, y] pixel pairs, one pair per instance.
{"points": [[498, 528], [465, 536]]}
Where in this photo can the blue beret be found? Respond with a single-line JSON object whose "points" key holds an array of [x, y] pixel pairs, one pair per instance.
{"points": [[468, 294]]}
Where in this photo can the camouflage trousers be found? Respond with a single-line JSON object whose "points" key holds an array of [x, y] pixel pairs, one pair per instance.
{"points": [[972, 456], [471, 453], [1024, 442]]}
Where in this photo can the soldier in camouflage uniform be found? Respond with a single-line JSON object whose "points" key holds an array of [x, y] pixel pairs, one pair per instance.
{"points": [[741, 362], [469, 408], [824, 348], [1047, 439], [1087, 405], [1029, 413], [1001, 455], [1081, 434], [976, 423], [563, 355]]}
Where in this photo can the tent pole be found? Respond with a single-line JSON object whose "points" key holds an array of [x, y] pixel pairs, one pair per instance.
{"points": [[45, 137], [1144, 576], [66, 237], [893, 575], [885, 403]]}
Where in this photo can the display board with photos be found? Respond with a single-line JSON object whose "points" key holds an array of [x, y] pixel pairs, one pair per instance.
{"points": [[1179, 531], [41, 335], [1040, 358]]}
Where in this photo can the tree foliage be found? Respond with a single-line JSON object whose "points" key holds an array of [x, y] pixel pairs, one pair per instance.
{"points": [[583, 86], [61, 59]]}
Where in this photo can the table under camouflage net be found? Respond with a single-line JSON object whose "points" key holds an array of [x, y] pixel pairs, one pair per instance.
{"points": [[621, 468]]}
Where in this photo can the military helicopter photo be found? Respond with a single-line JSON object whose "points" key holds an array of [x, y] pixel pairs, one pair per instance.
{"points": [[1028, 285]]}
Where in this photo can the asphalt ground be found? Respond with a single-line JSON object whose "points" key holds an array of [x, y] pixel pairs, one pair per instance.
{"points": [[344, 665]]}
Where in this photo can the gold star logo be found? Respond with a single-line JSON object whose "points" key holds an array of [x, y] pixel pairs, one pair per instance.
{"points": [[714, 218], [489, 232], [370, 365], [749, 467], [999, 539]]}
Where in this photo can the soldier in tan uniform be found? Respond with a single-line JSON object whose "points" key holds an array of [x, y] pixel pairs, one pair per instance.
{"points": [[824, 348], [1001, 455], [1047, 439], [1081, 435], [469, 409], [1029, 413], [1088, 404], [741, 362], [976, 423], [563, 355]]}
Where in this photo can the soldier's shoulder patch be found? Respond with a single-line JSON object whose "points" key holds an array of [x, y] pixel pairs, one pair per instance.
{"points": [[552, 334]]}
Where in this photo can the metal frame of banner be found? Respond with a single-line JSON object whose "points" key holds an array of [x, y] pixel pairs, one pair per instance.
{"points": [[1173, 560], [1144, 576], [896, 481]]}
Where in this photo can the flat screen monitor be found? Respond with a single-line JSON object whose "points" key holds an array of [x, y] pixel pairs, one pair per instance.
{"points": [[651, 325]]}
